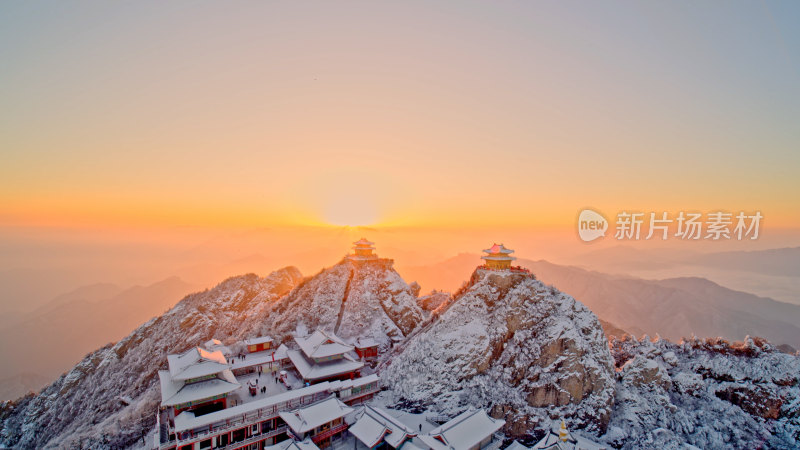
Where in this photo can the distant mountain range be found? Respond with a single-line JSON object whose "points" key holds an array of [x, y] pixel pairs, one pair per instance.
{"points": [[773, 273], [672, 308], [50, 339], [81, 408], [776, 262]]}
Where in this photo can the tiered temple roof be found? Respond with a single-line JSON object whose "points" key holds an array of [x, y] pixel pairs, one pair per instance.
{"points": [[306, 419], [498, 252], [196, 363], [376, 425], [194, 376], [323, 356], [467, 430], [498, 257], [174, 393], [321, 345], [363, 250]]}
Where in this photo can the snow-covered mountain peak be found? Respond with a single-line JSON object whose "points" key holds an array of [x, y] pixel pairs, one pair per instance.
{"points": [[354, 298], [514, 345]]}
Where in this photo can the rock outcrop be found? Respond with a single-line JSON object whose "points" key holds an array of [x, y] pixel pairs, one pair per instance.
{"points": [[708, 393], [511, 344], [353, 299], [433, 300]]}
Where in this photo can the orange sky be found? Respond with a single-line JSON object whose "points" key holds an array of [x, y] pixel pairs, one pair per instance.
{"points": [[415, 115]]}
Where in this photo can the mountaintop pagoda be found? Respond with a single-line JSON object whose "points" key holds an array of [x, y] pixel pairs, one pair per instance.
{"points": [[363, 250], [498, 257]]}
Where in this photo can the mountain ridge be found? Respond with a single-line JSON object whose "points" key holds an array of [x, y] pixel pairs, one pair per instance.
{"points": [[642, 306], [534, 353], [513, 345], [82, 407]]}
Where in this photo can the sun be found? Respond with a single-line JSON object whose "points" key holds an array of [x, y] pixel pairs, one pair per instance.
{"points": [[351, 211]]}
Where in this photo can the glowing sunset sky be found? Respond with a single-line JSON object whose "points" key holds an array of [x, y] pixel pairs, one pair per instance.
{"points": [[478, 114]]}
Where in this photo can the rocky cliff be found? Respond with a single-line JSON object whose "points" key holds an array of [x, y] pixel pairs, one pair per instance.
{"points": [[513, 345], [352, 298], [708, 393]]}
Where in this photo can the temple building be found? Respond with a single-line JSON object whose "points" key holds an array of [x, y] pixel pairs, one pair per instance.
{"points": [[210, 401], [323, 422], [377, 428], [471, 430], [498, 257], [324, 356], [258, 344], [197, 381], [366, 349], [258, 422], [363, 250]]}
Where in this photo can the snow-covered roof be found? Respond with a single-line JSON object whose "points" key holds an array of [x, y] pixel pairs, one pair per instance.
{"points": [[293, 445], [258, 340], [346, 384], [516, 446], [368, 430], [196, 363], [498, 253], [464, 431], [366, 342], [187, 420], [257, 359], [376, 424], [321, 344], [498, 250], [176, 392], [305, 419], [363, 243], [311, 370]]}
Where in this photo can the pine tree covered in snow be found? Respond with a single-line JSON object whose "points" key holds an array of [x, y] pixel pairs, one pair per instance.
{"points": [[706, 393]]}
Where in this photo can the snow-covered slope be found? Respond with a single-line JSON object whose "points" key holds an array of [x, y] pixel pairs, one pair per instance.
{"points": [[674, 308], [83, 408], [505, 342], [707, 393], [365, 298], [513, 345]]}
